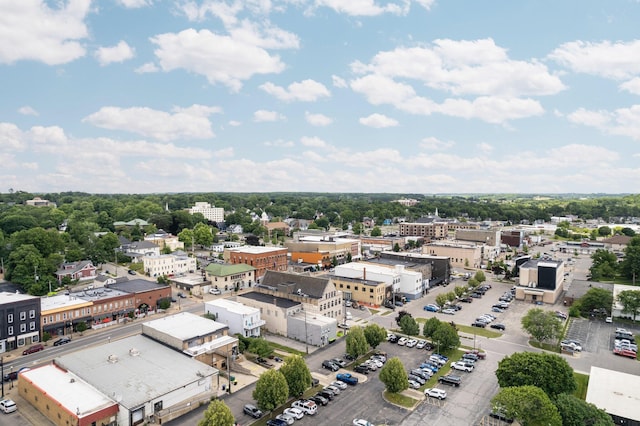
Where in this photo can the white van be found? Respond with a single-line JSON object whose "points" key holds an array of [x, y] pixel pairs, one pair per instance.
{"points": [[349, 316]]}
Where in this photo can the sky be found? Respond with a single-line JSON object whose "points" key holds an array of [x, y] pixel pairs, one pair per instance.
{"points": [[397, 96]]}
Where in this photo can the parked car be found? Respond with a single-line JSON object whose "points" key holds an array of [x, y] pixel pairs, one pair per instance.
{"points": [[479, 324], [413, 384], [131, 272], [8, 406], [276, 422], [215, 291], [333, 389], [62, 341], [296, 413], [421, 344], [479, 354], [327, 394], [470, 355], [498, 326], [497, 309], [361, 422], [450, 379], [411, 343], [418, 372], [33, 349], [339, 362], [393, 338], [431, 308], [402, 341], [362, 369], [347, 378], [181, 295], [339, 384], [307, 406], [449, 311], [461, 366], [417, 379], [625, 352], [319, 399], [466, 299], [435, 393], [252, 410], [330, 365], [286, 418]]}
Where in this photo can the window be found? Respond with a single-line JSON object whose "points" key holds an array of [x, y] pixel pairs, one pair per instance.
{"points": [[23, 316], [10, 331], [32, 313], [23, 328], [32, 325], [44, 320]]}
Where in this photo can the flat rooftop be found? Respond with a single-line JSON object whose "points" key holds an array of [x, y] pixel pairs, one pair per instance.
{"points": [[257, 249], [184, 326], [61, 301], [233, 306], [615, 392], [7, 297], [68, 389], [136, 286]]}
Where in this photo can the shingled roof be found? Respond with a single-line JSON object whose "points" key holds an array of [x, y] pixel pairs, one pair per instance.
{"points": [[295, 283]]}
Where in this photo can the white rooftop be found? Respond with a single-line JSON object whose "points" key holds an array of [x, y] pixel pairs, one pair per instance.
{"points": [[7, 297], [256, 249], [60, 301], [615, 392], [185, 326], [370, 267], [233, 306], [66, 388], [135, 370]]}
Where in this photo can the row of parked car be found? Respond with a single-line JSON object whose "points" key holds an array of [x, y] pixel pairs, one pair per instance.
{"points": [[624, 343], [410, 342]]}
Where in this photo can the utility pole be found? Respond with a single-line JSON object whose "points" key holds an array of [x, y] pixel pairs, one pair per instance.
{"points": [[115, 259], [2, 374]]}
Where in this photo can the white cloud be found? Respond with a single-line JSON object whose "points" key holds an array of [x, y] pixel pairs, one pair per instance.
{"points": [[149, 67], [613, 60], [426, 3], [313, 141], [221, 59], [135, 4], [267, 116], [235, 123], [31, 30], [365, 7], [378, 121], [339, 81], [304, 91], [11, 138], [264, 35], [435, 144], [317, 119], [119, 53], [27, 110], [632, 86], [621, 122], [184, 123], [485, 147], [280, 143]]}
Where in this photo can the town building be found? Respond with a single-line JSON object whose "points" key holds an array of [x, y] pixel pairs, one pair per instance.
{"points": [[274, 310], [200, 338], [260, 257], [490, 237], [401, 281], [65, 399], [314, 330], [241, 319], [617, 308], [147, 294], [137, 250], [82, 271], [228, 276], [579, 288], [540, 281], [370, 292], [39, 202], [109, 306], [164, 240], [151, 383], [461, 255], [60, 314], [19, 320], [435, 230], [169, 265], [211, 213], [613, 391], [323, 248], [435, 270], [407, 202]]}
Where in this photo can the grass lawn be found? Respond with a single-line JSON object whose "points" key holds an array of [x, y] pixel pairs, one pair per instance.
{"points": [[386, 313], [478, 331], [286, 349], [582, 380], [546, 346], [373, 311], [399, 399]]}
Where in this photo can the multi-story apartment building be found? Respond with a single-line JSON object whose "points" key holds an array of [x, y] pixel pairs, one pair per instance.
{"points": [[433, 230], [261, 258], [211, 213], [170, 265], [241, 319], [19, 320]]}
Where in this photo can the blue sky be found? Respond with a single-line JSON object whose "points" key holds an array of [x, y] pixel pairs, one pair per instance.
{"points": [[402, 96]]}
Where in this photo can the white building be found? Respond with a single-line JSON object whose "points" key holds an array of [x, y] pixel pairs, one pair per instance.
{"points": [[174, 264], [211, 213], [241, 319], [403, 282], [616, 393], [616, 309]]}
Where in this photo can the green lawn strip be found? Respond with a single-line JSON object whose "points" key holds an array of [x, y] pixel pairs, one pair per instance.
{"points": [[582, 381], [545, 346], [478, 331], [400, 399], [373, 311], [286, 349], [386, 313]]}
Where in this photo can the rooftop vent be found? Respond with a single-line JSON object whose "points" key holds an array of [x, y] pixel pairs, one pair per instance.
{"points": [[134, 352], [112, 359]]}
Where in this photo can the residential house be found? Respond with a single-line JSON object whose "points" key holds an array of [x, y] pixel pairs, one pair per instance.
{"points": [[82, 271], [137, 250], [164, 240]]}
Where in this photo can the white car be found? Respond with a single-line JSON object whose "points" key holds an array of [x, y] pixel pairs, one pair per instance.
{"points": [[286, 418], [306, 406], [421, 344], [609, 320], [461, 366], [402, 341], [215, 291], [411, 343], [376, 362], [296, 413], [435, 393], [8, 406], [361, 422], [449, 311], [340, 385], [333, 389], [413, 384]]}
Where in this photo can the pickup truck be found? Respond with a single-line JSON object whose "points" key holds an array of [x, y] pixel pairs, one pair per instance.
{"points": [[347, 378], [264, 362]]}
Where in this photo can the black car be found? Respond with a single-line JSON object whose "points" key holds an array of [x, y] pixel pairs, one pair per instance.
{"points": [[450, 380], [326, 393], [131, 272], [479, 324], [276, 422], [330, 365], [472, 357], [349, 357], [62, 341], [466, 300], [498, 415], [319, 399], [498, 326], [429, 346], [362, 369], [252, 410]]}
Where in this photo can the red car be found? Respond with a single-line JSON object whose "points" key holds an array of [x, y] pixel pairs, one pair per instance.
{"points": [[480, 355], [33, 349], [625, 352]]}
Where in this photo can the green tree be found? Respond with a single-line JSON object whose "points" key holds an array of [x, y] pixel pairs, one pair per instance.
{"points": [[528, 404], [374, 334], [186, 236], [394, 376], [596, 298], [480, 277], [459, 290], [202, 235], [430, 326], [271, 390], [27, 268], [630, 265], [473, 282], [604, 231], [401, 315], [541, 324], [81, 327], [409, 326], [576, 412], [297, 374], [604, 265], [376, 232], [441, 299], [356, 342], [260, 347], [630, 301], [451, 296], [217, 414], [549, 372], [445, 337]]}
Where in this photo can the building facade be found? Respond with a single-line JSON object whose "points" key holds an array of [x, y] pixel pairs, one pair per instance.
{"points": [[241, 319], [178, 263], [430, 230], [541, 281], [83, 270], [61, 314], [19, 320], [460, 255], [263, 259], [228, 276], [211, 213]]}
